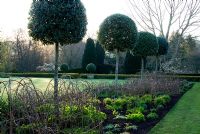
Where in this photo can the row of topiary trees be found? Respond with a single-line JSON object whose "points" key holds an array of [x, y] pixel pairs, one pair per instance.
{"points": [[64, 22], [119, 33]]}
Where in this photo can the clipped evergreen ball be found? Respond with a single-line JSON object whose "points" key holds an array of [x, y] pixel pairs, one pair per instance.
{"points": [[117, 32], [64, 68], [91, 68], [147, 45], [163, 46], [57, 21]]}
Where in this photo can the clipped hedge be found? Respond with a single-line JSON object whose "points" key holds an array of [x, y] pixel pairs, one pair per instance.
{"points": [[98, 76]]}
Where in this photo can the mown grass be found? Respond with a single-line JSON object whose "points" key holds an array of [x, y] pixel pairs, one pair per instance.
{"points": [[184, 117], [42, 83]]}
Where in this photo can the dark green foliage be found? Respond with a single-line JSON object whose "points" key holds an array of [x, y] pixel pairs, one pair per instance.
{"points": [[132, 63], [100, 54], [64, 68], [152, 116], [117, 32], [163, 46], [147, 45], [89, 55], [105, 69], [91, 68], [57, 21]]}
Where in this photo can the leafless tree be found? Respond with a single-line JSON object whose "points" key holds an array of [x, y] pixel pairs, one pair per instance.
{"points": [[162, 17], [27, 54], [72, 55]]}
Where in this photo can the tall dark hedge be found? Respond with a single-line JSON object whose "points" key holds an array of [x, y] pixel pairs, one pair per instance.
{"points": [[100, 53], [132, 64], [117, 32], [163, 46], [61, 21], [89, 55]]}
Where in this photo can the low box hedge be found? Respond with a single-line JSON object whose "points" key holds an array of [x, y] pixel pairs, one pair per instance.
{"points": [[188, 77]]}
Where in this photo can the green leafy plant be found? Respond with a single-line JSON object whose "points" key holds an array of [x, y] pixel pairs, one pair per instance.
{"points": [[148, 99], [162, 100], [131, 127], [152, 116], [137, 117], [159, 107], [119, 103], [108, 101]]}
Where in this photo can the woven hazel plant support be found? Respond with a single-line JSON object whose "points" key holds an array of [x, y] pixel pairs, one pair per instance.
{"points": [[24, 99]]}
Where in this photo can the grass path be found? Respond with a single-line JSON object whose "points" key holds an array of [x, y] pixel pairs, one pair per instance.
{"points": [[184, 117]]}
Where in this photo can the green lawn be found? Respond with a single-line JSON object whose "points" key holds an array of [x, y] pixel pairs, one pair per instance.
{"points": [[184, 117], [41, 83]]}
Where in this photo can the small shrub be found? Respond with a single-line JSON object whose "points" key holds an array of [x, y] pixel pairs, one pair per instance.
{"points": [[147, 99], [136, 110], [160, 107], [119, 103], [132, 101], [91, 68], [27, 129], [162, 100], [108, 101], [64, 68], [152, 116], [137, 117], [131, 127]]}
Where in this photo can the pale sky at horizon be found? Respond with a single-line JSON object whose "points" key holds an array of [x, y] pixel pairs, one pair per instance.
{"points": [[14, 14]]}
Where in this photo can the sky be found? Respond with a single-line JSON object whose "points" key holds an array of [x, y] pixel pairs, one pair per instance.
{"points": [[14, 14]]}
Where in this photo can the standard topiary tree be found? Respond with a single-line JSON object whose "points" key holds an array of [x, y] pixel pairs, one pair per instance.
{"points": [[147, 45], [64, 68], [162, 50], [89, 55], [91, 68], [117, 33], [57, 22]]}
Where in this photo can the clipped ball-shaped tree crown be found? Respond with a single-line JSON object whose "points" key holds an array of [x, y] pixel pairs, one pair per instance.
{"points": [[91, 67], [147, 45], [117, 32], [57, 21], [64, 68], [163, 46]]}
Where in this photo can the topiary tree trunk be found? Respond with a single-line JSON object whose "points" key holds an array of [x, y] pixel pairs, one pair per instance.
{"points": [[116, 68], [157, 63], [56, 101], [142, 67]]}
